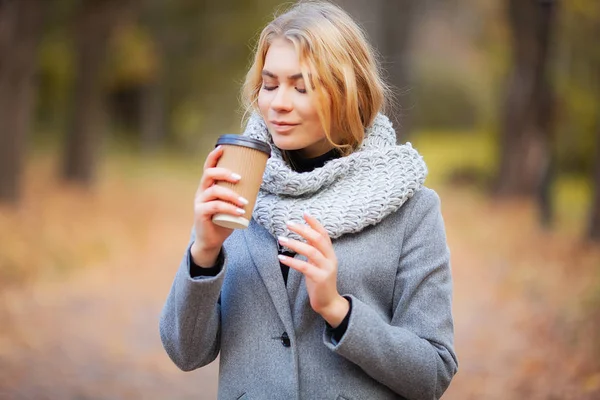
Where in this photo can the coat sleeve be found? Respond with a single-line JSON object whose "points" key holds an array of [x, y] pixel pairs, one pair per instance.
{"points": [[190, 323], [413, 353]]}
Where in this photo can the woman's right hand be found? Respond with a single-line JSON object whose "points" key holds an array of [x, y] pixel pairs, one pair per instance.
{"points": [[210, 200]]}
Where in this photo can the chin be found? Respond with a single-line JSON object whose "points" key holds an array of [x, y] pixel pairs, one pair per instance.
{"points": [[287, 145]]}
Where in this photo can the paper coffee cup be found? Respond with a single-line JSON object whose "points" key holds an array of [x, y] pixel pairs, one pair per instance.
{"points": [[246, 157]]}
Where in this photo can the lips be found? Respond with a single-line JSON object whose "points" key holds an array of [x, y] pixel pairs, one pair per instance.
{"points": [[283, 127], [282, 123]]}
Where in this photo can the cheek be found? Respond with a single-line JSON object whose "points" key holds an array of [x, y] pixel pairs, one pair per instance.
{"points": [[308, 104], [262, 102], [306, 108]]}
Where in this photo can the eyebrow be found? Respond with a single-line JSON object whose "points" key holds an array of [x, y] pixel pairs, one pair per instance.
{"points": [[272, 75]]}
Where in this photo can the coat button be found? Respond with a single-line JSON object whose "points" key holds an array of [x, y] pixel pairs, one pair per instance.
{"points": [[285, 340]]}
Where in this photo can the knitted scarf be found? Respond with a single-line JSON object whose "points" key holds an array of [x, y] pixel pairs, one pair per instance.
{"points": [[348, 193]]}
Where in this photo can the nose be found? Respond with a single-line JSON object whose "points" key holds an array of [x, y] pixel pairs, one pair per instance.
{"points": [[282, 100]]}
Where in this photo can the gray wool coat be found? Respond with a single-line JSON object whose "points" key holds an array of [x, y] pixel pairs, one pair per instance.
{"points": [[399, 340]]}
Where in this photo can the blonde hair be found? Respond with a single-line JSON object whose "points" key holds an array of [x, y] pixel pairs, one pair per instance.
{"points": [[338, 64]]}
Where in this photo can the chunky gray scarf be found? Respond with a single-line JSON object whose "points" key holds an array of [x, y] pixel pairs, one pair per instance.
{"points": [[347, 194]]}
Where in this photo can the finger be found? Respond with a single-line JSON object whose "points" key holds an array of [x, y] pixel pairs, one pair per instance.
{"points": [[224, 194], [314, 237], [208, 209], [304, 230], [306, 250], [311, 272], [315, 224], [323, 243], [213, 157], [212, 175]]}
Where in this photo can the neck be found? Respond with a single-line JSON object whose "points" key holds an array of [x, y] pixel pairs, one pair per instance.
{"points": [[299, 163], [315, 150]]}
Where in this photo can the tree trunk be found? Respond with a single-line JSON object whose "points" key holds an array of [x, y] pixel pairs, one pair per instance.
{"points": [[152, 121], [594, 222], [85, 137], [20, 22], [527, 121], [153, 124], [398, 17], [368, 15], [389, 24]]}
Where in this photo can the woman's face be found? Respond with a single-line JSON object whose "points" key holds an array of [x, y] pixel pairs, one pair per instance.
{"points": [[289, 111]]}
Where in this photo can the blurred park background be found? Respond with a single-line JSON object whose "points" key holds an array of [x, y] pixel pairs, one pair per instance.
{"points": [[109, 107]]}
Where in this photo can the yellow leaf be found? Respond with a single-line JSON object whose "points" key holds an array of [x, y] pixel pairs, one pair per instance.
{"points": [[592, 383]]}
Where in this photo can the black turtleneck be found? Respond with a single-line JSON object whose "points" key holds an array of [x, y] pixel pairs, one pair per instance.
{"points": [[302, 164]]}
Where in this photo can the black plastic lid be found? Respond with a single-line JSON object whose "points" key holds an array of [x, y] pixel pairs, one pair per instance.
{"points": [[245, 141]]}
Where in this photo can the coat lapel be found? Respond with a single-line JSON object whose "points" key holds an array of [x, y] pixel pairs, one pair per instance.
{"points": [[293, 286], [263, 250]]}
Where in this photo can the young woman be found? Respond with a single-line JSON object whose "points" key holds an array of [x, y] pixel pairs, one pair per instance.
{"points": [[341, 286]]}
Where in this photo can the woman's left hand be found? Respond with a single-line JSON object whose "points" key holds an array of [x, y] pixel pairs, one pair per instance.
{"points": [[320, 269]]}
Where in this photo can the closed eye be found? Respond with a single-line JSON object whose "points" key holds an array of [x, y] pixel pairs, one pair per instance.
{"points": [[271, 88]]}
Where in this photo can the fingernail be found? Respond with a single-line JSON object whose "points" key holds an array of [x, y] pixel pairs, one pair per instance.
{"points": [[290, 223], [219, 147], [283, 239], [281, 257], [243, 201], [236, 176], [240, 211]]}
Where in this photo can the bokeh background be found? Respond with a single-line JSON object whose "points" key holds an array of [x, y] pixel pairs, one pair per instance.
{"points": [[109, 107]]}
